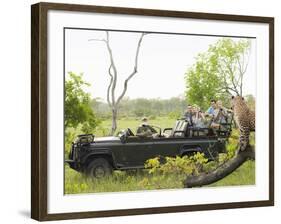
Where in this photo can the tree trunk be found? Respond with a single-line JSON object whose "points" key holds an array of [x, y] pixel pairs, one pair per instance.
{"points": [[114, 122], [222, 171]]}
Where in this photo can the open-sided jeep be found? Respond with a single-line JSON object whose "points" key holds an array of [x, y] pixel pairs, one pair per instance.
{"points": [[99, 156]]}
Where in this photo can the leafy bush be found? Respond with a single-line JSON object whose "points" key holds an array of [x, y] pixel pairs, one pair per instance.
{"points": [[192, 165], [68, 139], [78, 109]]}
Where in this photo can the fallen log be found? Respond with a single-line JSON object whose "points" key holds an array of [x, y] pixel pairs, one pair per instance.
{"points": [[222, 171]]}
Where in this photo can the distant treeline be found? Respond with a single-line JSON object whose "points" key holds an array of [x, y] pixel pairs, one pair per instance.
{"points": [[140, 107], [173, 107]]}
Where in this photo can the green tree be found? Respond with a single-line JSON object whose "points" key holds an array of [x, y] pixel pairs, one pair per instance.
{"points": [[202, 81], [251, 101], [232, 62], [218, 72], [78, 104]]}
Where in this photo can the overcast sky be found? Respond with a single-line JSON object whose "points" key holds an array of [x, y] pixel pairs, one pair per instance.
{"points": [[163, 61]]}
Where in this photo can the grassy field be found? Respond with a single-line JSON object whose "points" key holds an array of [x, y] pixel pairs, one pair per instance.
{"points": [[142, 180], [133, 123]]}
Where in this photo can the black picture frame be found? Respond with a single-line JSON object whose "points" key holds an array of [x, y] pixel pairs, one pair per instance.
{"points": [[39, 108]]}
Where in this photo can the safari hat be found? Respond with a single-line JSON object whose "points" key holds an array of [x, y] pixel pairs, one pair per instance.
{"points": [[144, 119]]}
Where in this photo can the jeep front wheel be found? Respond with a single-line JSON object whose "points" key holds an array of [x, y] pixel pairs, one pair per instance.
{"points": [[99, 168]]}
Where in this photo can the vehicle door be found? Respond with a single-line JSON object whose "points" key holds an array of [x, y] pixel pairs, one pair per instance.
{"points": [[166, 147], [136, 150]]}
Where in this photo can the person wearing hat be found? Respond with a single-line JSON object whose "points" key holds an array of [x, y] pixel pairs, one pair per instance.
{"points": [[145, 129]]}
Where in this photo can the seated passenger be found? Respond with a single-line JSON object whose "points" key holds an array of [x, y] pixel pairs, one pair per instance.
{"points": [[199, 120], [189, 115], [220, 115], [211, 109], [145, 130]]}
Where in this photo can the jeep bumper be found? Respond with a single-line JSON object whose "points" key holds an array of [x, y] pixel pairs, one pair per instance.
{"points": [[73, 164]]}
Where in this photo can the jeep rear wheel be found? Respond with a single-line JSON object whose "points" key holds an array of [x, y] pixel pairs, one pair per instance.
{"points": [[189, 154], [99, 168]]}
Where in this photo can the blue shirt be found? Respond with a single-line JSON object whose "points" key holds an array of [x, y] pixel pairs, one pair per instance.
{"points": [[211, 111]]}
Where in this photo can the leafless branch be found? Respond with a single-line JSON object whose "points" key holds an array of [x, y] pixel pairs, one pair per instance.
{"points": [[242, 67], [114, 79], [231, 75], [109, 86], [103, 40], [228, 90], [135, 70]]}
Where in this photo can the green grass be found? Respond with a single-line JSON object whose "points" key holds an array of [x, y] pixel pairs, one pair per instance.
{"points": [[142, 180], [119, 181], [244, 175], [133, 123]]}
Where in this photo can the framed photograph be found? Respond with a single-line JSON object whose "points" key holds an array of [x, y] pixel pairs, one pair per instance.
{"points": [[140, 111]]}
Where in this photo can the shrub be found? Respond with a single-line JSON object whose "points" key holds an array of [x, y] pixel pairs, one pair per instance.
{"points": [[192, 165]]}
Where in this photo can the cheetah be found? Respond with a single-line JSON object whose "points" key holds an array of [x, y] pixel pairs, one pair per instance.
{"points": [[245, 120]]}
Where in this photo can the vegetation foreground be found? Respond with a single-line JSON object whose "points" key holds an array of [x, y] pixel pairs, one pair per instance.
{"points": [[142, 180], [151, 178]]}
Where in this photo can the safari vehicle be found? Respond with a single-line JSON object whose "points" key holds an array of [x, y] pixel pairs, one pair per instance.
{"points": [[98, 157]]}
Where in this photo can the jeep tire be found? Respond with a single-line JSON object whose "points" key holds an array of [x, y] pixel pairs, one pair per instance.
{"points": [[99, 168]]}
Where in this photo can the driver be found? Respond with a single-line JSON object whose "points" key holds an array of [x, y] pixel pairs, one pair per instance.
{"points": [[145, 129]]}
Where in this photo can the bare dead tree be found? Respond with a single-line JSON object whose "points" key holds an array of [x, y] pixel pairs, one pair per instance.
{"points": [[112, 101]]}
